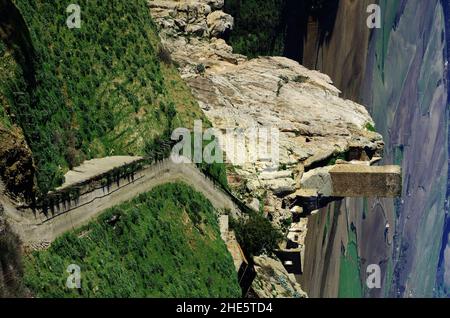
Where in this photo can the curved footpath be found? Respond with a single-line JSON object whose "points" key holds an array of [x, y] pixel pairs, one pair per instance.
{"points": [[37, 229]]}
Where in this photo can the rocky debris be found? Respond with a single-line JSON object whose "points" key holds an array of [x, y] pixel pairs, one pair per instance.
{"points": [[219, 24], [273, 281], [216, 4], [280, 187], [254, 204], [16, 164], [191, 18], [193, 33], [319, 181], [181, 17], [297, 232]]}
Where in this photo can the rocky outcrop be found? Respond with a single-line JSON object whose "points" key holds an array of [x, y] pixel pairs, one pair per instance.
{"points": [[16, 164], [193, 32], [219, 23], [311, 125], [314, 123], [191, 18], [273, 281]]}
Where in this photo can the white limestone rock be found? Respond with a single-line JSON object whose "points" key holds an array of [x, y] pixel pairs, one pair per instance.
{"points": [[273, 281], [219, 23]]}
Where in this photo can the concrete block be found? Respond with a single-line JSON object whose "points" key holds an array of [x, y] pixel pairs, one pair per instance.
{"points": [[366, 181]]}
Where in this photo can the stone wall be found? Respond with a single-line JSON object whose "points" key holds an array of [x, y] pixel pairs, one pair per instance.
{"points": [[36, 228]]}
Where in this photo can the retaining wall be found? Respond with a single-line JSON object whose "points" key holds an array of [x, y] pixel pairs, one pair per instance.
{"points": [[36, 227]]}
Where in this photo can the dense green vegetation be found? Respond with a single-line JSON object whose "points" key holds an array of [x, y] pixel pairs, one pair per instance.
{"points": [[370, 127], [278, 27], [165, 243], [259, 26], [100, 90], [216, 171], [162, 148], [256, 234], [10, 74]]}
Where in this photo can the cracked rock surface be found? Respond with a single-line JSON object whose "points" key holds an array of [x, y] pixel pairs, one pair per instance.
{"points": [[314, 123], [273, 281]]}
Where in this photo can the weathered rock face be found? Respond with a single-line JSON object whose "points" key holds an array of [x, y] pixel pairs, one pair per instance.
{"points": [[314, 123], [273, 281], [219, 23], [184, 17], [193, 33], [16, 164]]}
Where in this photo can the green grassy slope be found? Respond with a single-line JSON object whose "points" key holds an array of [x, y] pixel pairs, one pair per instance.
{"points": [[165, 243], [100, 90], [10, 74]]}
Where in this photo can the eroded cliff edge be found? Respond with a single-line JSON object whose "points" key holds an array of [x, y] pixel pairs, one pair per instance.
{"points": [[317, 128]]}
